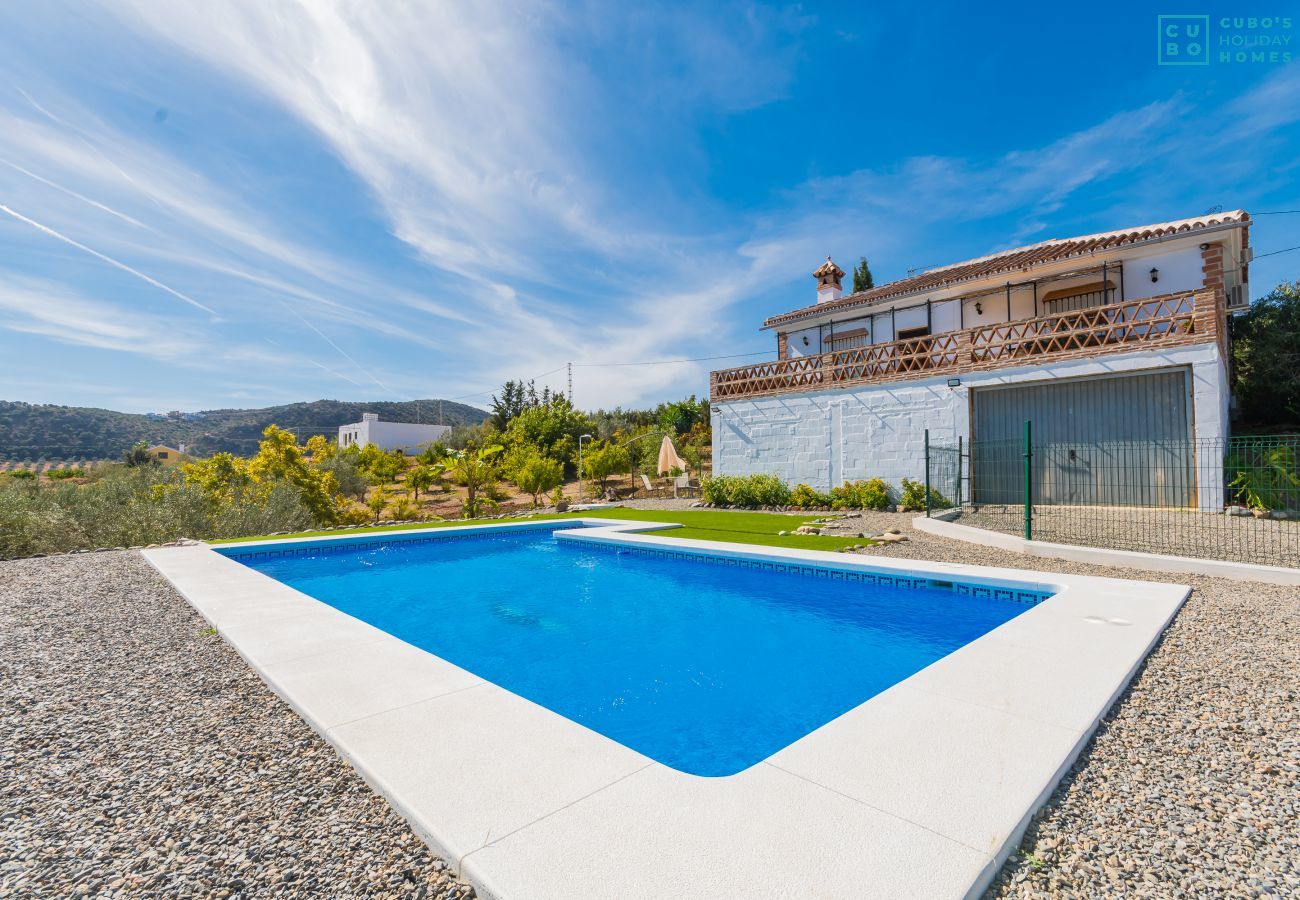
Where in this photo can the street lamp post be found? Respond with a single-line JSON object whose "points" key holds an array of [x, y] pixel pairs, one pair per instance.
{"points": [[585, 437]]}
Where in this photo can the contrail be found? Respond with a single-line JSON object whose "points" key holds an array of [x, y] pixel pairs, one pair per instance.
{"points": [[71, 193], [108, 259], [324, 337]]}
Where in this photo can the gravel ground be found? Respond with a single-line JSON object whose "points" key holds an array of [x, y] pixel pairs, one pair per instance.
{"points": [[1191, 786], [141, 757], [1175, 532]]}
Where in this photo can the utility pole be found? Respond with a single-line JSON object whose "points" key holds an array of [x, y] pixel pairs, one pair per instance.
{"points": [[570, 366]]}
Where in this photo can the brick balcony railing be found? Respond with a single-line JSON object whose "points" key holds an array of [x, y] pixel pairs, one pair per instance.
{"points": [[1169, 320]]}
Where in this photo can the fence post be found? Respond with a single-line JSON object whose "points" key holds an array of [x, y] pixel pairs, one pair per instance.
{"points": [[1029, 481], [957, 500], [927, 473]]}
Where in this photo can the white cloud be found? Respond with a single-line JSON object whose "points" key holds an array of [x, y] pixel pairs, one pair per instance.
{"points": [[492, 149]]}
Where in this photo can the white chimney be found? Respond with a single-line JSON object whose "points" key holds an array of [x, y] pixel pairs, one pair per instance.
{"points": [[830, 281]]}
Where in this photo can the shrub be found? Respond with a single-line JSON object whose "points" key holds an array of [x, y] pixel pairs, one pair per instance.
{"points": [[405, 508], [603, 461], [141, 505], [870, 494], [1268, 479], [348, 477], [745, 490], [913, 497], [805, 497], [537, 475], [62, 474]]}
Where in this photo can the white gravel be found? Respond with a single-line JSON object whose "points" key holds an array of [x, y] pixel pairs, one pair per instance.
{"points": [[141, 757]]}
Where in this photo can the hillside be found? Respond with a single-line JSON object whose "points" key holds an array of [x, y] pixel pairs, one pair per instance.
{"points": [[30, 432]]}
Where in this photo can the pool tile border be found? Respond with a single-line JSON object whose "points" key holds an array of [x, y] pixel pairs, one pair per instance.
{"points": [[548, 808], [834, 574]]}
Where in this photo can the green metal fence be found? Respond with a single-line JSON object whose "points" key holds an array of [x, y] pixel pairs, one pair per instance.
{"points": [[1234, 499]]}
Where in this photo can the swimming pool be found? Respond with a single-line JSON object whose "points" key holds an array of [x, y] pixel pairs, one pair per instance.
{"points": [[705, 663]]}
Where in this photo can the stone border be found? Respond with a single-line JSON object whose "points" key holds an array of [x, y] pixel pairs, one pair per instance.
{"points": [[923, 790], [1129, 559]]}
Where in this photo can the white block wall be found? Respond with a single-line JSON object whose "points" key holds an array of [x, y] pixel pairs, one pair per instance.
{"points": [[391, 435], [828, 437]]}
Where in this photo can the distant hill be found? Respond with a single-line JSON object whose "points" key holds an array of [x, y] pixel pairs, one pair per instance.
{"points": [[30, 432]]}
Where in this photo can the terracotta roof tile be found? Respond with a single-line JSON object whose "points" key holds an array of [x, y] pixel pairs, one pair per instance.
{"points": [[1014, 260]]}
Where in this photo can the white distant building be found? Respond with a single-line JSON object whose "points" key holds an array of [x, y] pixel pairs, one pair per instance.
{"points": [[404, 436]]}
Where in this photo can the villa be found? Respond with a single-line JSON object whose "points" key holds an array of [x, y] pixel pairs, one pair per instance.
{"points": [[1115, 336], [389, 435], [167, 456]]}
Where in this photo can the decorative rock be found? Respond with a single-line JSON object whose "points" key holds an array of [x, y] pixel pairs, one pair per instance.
{"points": [[890, 537], [808, 529]]}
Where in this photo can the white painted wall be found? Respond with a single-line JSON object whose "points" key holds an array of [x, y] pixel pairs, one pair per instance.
{"points": [[390, 435], [828, 437], [1180, 270], [796, 347]]}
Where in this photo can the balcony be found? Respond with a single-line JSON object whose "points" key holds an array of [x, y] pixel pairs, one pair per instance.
{"points": [[1172, 319]]}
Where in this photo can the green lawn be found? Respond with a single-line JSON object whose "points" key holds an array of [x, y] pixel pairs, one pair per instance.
{"points": [[697, 524]]}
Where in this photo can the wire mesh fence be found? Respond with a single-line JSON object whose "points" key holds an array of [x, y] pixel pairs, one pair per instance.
{"points": [[1233, 499]]}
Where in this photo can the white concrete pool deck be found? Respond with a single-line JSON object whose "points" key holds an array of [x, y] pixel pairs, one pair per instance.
{"points": [[921, 791]]}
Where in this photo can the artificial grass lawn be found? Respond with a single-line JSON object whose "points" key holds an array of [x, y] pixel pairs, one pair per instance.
{"points": [[697, 524]]}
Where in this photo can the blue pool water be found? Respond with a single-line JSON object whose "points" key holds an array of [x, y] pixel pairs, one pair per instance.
{"points": [[703, 666]]}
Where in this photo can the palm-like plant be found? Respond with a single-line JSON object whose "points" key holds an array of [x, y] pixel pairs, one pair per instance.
{"points": [[478, 470]]}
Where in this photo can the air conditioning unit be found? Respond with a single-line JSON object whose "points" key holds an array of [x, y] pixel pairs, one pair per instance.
{"points": [[1237, 298]]}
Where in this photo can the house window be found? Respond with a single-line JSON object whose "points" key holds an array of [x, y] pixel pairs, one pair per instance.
{"points": [[162, 454], [1082, 296], [849, 340], [905, 334]]}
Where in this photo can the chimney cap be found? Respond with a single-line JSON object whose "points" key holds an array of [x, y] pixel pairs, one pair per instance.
{"points": [[828, 268]]}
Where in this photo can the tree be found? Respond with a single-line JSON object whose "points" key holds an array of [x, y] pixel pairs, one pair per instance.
{"points": [[1266, 360], [139, 455], [477, 470], [381, 465], [862, 278], [515, 398], [552, 429], [320, 448], [279, 458], [603, 461], [229, 481], [539, 474], [423, 477], [682, 415], [378, 500]]}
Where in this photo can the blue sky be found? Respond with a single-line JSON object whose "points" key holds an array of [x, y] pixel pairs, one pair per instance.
{"points": [[243, 203]]}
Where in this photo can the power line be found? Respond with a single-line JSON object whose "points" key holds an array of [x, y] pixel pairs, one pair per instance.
{"points": [[1275, 252], [664, 362], [1280, 212]]}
